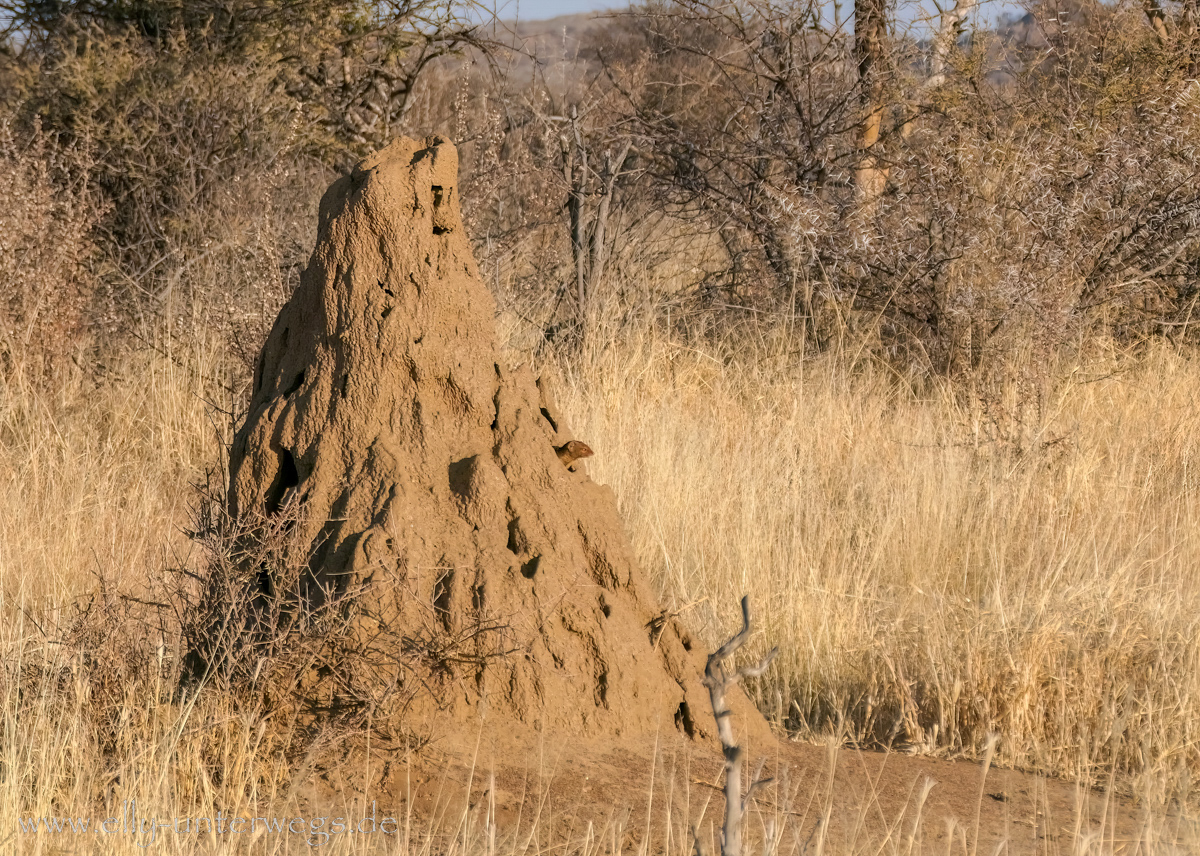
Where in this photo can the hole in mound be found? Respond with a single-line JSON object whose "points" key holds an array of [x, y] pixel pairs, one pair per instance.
{"points": [[683, 720], [656, 626], [460, 477], [604, 607], [295, 384], [345, 383], [496, 398], [262, 367], [514, 534], [285, 480], [439, 193], [549, 418], [687, 642], [602, 689], [531, 567]]}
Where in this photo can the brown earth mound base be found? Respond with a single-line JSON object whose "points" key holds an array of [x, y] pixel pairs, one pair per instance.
{"points": [[440, 501]]}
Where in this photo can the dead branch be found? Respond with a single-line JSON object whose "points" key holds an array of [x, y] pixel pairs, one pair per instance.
{"points": [[719, 681]]}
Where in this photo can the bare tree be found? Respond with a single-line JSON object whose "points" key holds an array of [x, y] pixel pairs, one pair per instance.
{"points": [[353, 66], [365, 75], [747, 109], [588, 188]]}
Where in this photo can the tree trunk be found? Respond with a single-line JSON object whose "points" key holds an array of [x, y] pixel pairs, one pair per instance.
{"points": [[870, 48], [1158, 20], [576, 176], [598, 246], [949, 29]]}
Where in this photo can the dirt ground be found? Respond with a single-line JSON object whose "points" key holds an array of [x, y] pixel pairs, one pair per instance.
{"points": [[658, 795]]}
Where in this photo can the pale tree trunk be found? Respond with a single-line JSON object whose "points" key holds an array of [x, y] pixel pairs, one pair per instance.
{"points": [[1189, 26], [1158, 20], [575, 172], [950, 27], [951, 24], [598, 247], [870, 48]]}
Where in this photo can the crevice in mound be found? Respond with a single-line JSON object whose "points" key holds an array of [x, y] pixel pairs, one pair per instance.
{"points": [[515, 536], [442, 222], [656, 626], [288, 477], [258, 375], [683, 719], [546, 405], [496, 399], [296, 383], [530, 568], [460, 476]]}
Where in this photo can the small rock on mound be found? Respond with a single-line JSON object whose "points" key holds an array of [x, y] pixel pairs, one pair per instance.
{"points": [[431, 486]]}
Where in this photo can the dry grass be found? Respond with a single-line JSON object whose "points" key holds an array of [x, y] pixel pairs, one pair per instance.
{"points": [[928, 582], [914, 570], [98, 473]]}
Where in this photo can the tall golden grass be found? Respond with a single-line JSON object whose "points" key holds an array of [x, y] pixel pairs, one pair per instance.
{"points": [[931, 576]]}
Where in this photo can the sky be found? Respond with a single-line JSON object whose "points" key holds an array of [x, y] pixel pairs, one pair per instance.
{"points": [[910, 12], [538, 10]]}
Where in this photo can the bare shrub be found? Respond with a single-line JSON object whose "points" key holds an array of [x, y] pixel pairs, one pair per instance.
{"points": [[47, 211], [254, 627], [1032, 190], [189, 146], [206, 116]]}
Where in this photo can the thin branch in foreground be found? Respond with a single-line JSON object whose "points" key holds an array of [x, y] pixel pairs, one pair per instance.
{"points": [[719, 681]]}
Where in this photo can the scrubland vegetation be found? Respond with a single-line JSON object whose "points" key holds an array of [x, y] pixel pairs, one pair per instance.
{"points": [[927, 393]]}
